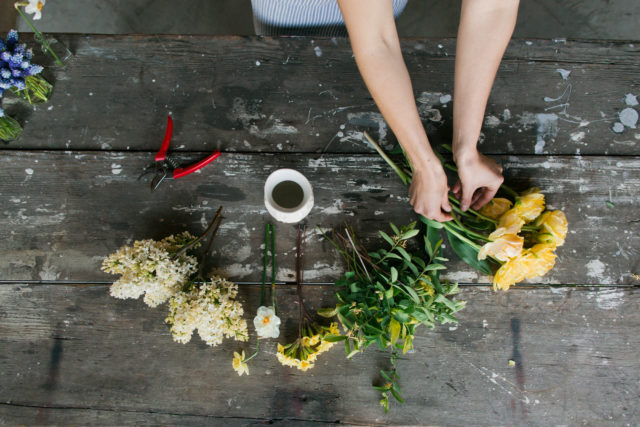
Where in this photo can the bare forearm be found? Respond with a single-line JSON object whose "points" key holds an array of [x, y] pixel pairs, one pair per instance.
{"points": [[376, 48], [388, 81], [485, 29]]}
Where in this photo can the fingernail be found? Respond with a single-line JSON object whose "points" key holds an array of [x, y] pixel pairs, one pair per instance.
{"points": [[464, 207]]}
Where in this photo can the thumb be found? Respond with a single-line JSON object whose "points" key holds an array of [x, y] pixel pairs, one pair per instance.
{"points": [[467, 194], [445, 203]]}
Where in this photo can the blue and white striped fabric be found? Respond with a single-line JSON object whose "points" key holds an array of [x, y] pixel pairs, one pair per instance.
{"points": [[303, 17]]}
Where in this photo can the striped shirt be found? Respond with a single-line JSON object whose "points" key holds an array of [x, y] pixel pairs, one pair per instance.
{"points": [[303, 17]]}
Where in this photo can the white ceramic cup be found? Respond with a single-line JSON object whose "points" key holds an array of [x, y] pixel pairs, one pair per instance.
{"points": [[293, 214]]}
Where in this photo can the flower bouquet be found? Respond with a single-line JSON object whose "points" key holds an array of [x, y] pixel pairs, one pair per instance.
{"points": [[514, 235]]}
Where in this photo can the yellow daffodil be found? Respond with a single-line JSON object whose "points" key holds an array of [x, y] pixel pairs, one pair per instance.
{"points": [[530, 205], [510, 223], [503, 248], [239, 364], [496, 207], [554, 226]]}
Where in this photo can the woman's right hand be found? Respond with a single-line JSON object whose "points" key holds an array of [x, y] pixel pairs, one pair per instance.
{"points": [[429, 192]]}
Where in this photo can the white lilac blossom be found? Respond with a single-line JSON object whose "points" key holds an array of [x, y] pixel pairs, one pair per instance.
{"points": [[211, 308], [34, 7], [266, 322], [148, 268]]}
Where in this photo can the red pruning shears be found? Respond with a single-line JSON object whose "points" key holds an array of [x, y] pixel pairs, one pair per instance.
{"points": [[165, 167]]}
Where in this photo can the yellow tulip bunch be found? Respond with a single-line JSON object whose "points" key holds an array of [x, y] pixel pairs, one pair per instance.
{"points": [[507, 245]]}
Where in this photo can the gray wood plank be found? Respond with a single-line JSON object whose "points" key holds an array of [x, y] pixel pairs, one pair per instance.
{"points": [[306, 95], [64, 211], [75, 347]]}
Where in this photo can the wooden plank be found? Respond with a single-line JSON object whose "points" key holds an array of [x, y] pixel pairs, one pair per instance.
{"points": [[306, 95], [63, 212], [75, 347]]}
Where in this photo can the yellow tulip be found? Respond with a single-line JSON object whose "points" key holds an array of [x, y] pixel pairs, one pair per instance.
{"points": [[510, 223], [509, 274], [496, 208], [503, 248], [530, 205], [539, 260], [555, 224]]}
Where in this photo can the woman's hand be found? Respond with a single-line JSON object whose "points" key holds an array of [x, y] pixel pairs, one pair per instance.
{"points": [[480, 179], [429, 192]]}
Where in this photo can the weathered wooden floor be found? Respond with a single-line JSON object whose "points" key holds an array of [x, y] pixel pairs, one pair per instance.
{"points": [[70, 354]]}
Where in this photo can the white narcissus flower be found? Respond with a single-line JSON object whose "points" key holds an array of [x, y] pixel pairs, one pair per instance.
{"points": [[266, 322], [35, 7]]}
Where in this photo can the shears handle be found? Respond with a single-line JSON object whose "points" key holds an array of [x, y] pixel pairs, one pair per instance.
{"points": [[162, 154], [179, 172]]}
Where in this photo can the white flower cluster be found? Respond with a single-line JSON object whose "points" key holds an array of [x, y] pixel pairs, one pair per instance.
{"points": [[147, 268], [210, 308]]}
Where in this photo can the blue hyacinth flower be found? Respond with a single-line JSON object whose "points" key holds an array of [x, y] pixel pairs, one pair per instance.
{"points": [[33, 70], [12, 39]]}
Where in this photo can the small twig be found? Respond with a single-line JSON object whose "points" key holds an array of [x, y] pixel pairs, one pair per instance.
{"points": [[206, 250], [190, 245], [357, 253]]}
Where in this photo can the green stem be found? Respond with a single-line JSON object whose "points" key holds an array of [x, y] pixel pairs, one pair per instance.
{"points": [[468, 241], [39, 35], [264, 265], [403, 176], [273, 270], [255, 353], [476, 213], [471, 233]]}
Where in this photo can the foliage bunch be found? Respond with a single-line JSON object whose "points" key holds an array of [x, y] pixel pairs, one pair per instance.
{"points": [[386, 294]]}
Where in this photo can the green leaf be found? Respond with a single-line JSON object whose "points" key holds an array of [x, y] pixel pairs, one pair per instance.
{"points": [[400, 316], [468, 254], [394, 328], [414, 296], [432, 267], [408, 344], [409, 234], [394, 228], [386, 237], [431, 223], [334, 338], [396, 395], [328, 312], [386, 376], [394, 275], [404, 253]]}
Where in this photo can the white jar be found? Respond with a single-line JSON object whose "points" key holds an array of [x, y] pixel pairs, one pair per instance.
{"points": [[288, 195]]}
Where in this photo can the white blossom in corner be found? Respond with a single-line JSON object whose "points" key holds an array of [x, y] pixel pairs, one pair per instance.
{"points": [[266, 322], [34, 7]]}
